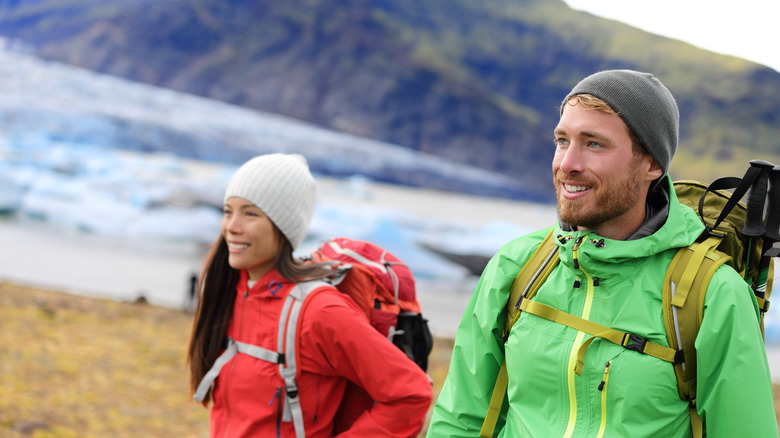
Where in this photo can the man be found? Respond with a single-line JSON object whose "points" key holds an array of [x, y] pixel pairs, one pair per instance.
{"points": [[619, 226]]}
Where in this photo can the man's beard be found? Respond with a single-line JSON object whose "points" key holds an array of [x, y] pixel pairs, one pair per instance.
{"points": [[613, 199]]}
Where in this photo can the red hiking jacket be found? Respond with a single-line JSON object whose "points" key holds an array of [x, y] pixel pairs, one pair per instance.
{"points": [[337, 350]]}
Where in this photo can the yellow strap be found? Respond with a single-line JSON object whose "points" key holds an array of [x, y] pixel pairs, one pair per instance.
{"points": [[682, 323], [615, 336], [531, 276], [494, 410], [763, 304], [581, 356], [697, 426], [681, 294]]}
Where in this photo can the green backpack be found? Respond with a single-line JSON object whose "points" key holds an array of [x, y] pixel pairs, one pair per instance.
{"points": [[736, 234]]}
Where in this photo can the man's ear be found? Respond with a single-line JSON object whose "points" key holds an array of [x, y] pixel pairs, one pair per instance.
{"points": [[655, 171]]}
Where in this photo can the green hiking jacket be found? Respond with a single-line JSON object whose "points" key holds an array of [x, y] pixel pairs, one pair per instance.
{"points": [[621, 393]]}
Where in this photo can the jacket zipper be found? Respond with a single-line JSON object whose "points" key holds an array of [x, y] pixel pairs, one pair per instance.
{"points": [[230, 370], [577, 340], [317, 408], [603, 389], [279, 408]]}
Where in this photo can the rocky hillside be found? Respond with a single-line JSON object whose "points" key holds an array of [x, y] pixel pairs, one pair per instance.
{"points": [[471, 80]]}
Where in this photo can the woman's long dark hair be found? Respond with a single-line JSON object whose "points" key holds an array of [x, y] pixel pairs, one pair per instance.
{"points": [[217, 297]]}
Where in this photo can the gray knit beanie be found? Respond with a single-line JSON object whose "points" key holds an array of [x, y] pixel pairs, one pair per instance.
{"points": [[644, 104], [282, 187]]}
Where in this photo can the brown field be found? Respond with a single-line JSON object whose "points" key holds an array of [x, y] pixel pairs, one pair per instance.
{"points": [[72, 366]]}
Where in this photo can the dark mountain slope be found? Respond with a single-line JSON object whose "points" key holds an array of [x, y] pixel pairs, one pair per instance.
{"points": [[475, 81]]}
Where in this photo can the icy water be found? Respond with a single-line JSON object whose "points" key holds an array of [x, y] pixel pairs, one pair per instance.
{"points": [[41, 255], [49, 255]]}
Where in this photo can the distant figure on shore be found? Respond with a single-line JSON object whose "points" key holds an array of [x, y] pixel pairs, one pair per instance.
{"points": [[619, 225], [192, 293], [349, 377]]}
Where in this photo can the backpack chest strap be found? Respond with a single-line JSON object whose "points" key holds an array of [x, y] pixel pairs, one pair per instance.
{"points": [[232, 349], [629, 341]]}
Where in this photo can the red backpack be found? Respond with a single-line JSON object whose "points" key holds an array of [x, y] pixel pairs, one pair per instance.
{"points": [[384, 288]]}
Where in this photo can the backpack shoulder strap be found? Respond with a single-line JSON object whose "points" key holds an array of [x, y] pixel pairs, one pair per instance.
{"points": [[285, 338], [530, 278], [231, 349], [533, 273], [684, 289], [290, 310]]}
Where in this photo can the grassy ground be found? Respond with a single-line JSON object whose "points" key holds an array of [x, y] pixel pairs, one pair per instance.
{"points": [[72, 366]]}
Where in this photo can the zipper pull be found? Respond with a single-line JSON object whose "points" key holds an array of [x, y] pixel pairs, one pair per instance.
{"points": [[606, 376], [276, 394], [574, 252], [577, 282]]}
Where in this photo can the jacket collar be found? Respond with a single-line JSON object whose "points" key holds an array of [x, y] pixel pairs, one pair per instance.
{"points": [[656, 212], [668, 224], [270, 284]]}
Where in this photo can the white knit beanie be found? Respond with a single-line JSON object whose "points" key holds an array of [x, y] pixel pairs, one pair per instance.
{"points": [[282, 187]]}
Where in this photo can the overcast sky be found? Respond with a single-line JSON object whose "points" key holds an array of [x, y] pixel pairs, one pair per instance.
{"points": [[745, 28]]}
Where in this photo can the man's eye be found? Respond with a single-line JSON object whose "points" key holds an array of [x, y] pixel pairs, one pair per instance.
{"points": [[594, 145], [561, 142]]}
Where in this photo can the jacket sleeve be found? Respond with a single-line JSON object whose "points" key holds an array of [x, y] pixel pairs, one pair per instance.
{"points": [[734, 386], [351, 348], [479, 348]]}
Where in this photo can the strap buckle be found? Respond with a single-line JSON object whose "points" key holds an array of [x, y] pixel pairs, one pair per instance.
{"points": [[637, 343], [711, 232]]}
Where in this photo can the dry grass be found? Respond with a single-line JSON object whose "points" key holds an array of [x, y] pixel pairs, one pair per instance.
{"points": [[81, 367], [72, 366]]}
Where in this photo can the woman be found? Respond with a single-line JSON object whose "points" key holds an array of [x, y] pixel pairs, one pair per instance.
{"points": [[248, 275]]}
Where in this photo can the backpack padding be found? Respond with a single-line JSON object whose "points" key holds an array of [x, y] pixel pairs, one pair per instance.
{"points": [[710, 204], [396, 277], [682, 319], [531, 277], [682, 322], [287, 342]]}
